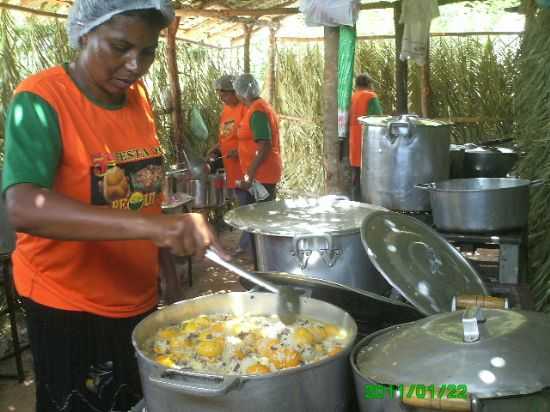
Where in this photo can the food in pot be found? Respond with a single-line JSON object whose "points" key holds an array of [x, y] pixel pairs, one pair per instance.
{"points": [[248, 345]]}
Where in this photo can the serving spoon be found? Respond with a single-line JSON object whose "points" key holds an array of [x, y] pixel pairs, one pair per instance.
{"points": [[288, 303]]}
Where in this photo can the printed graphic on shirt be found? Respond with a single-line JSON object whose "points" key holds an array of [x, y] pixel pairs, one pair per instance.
{"points": [[226, 129], [127, 180]]}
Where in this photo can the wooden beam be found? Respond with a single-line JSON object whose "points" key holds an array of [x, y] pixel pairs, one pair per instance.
{"points": [[426, 86], [32, 11], [172, 64], [272, 70], [331, 153], [290, 39], [401, 67], [247, 37]]}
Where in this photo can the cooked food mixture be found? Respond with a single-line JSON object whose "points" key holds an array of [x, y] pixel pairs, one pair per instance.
{"points": [[248, 345]]}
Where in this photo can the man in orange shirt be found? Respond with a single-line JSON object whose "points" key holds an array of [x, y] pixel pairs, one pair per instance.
{"points": [[364, 102]]}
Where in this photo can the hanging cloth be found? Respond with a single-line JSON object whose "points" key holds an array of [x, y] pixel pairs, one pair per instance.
{"points": [[417, 16]]}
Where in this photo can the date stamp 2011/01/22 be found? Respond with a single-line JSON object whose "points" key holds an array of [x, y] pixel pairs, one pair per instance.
{"points": [[415, 390]]}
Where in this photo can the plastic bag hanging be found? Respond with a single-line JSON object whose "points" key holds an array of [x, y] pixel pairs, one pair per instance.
{"points": [[331, 13], [346, 58], [197, 124]]}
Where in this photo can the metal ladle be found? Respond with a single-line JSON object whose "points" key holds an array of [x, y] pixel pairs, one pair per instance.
{"points": [[288, 304]]}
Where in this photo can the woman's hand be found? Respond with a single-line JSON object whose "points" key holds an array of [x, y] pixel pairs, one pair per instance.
{"points": [[185, 234]]}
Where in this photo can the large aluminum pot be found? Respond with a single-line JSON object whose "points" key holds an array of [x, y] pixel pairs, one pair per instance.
{"points": [[488, 360], [322, 386], [313, 237], [485, 161], [480, 205], [216, 185], [397, 154]]}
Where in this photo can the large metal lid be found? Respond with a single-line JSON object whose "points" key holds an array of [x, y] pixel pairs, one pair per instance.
{"points": [[418, 262], [292, 217], [370, 311], [412, 119], [494, 352]]}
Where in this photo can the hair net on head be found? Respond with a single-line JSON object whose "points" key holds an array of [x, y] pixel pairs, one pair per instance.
{"points": [[225, 83], [247, 87], [86, 15]]}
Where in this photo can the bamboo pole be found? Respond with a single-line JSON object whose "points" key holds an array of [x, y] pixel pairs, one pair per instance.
{"points": [[425, 85], [172, 64], [290, 39], [271, 73], [401, 69], [331, 156], [247, 36]]}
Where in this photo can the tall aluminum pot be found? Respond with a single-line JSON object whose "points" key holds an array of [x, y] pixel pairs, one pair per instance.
{"points": [[216, 185], [322, 386], [480, 205], [495, 360], [313, 237], [397, 154]]}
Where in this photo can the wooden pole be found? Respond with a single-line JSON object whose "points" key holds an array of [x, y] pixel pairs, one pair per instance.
{"points": [[334, 175], [401, 67], [247, 36], [173, 77], [271, 73], [426, 86]]}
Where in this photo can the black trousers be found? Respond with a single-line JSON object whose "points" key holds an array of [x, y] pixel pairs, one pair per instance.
{"points": [[82, 362]]}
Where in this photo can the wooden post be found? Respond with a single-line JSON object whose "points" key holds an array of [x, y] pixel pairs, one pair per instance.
{"points": [[401, 67], [173, 77], [272, 71], [247, 36], [426, 86], [334, 175]]}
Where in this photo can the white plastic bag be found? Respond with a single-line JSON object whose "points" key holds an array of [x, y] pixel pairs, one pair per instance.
{"points": [[330, 12]]}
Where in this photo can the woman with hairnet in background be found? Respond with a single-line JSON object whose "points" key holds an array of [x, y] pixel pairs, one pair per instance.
{"points": [[82, 180], [259, 148]]}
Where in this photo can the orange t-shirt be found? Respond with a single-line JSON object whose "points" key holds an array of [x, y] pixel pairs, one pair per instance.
{"points": [[359, 107], [229, 121], [271, 168], [110, 158]]}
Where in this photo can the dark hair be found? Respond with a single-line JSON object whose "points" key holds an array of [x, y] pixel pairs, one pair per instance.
{"points": [[152, 17], [363, 80]]}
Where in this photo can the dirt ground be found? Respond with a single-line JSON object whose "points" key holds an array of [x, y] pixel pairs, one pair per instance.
{"points": [[207, 278]]}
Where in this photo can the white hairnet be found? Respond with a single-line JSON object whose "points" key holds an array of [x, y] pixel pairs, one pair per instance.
{"points": [[225, 83], [247, 87], [86, 15]]}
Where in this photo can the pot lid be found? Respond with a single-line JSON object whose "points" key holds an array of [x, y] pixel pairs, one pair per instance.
{"points": [[418, 262], [385, 121], [294, 217], [494, 352], [370, 311]]}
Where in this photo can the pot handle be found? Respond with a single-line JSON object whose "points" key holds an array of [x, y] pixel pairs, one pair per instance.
{"points": [[329, 255], [487, 302], [425, 186], [209, 385], [536, 183], [443, 403]]}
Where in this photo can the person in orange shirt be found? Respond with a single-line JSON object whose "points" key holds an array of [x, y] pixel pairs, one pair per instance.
{"points": [[82, 182], [259, 147], [364, 102], [232, 113]]}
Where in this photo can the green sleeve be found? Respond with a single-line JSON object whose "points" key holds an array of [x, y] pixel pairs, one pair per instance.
{"points": [[375, 108], [259, 123], [32, 142]]}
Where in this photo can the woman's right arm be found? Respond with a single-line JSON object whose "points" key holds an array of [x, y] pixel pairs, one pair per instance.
{"points": [[42, 212]]}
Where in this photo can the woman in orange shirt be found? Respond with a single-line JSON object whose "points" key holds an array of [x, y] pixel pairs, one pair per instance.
{"points": [[82, 181]]}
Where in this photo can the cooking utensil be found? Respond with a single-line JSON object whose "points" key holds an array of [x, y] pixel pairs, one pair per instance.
{"points": [[488, 161], [480, 205], [426, 270], [370, 311], [321, 386], [311, 237], [288, 306], [499, 358], [398, 153]]}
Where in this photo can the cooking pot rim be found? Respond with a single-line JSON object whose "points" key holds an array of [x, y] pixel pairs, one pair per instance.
{"points": [[344, 352], [512, 184]]}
